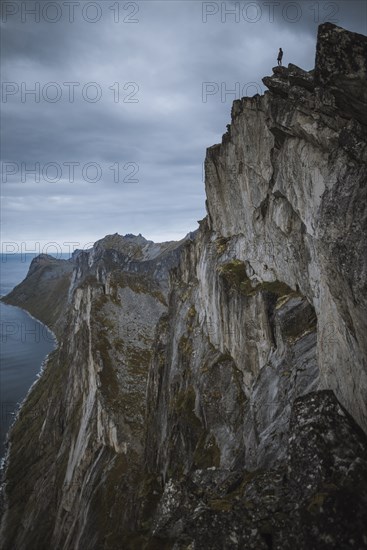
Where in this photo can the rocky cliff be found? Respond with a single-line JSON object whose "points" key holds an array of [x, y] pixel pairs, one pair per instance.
{"points": [[211, 393]]}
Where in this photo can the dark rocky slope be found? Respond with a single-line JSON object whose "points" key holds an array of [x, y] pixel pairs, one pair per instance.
{"points": [[211, 393]]}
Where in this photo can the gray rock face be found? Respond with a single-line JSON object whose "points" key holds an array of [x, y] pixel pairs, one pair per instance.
{"points": [[207, 394], [341, 69], [284, 508], [295, 200]]}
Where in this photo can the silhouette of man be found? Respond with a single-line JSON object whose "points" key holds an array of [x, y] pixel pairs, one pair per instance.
{"points": [[280, 56]]}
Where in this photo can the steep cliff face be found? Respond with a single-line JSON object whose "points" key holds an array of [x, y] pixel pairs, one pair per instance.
{"points": [[81, 430], [288, 182], [206, 394]]}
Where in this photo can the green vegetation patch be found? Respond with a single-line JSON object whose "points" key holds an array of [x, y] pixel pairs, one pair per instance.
{"points": [[220, 505], [221, 245], [316, 502], [107, 376], [138, 283], [278, 288], [192, 312], [185, 345], [207, 453], [183, 407], [234, 273], [138, 360]]}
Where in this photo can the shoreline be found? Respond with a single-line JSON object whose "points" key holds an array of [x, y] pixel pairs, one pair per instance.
{"points": [[21, 403]]}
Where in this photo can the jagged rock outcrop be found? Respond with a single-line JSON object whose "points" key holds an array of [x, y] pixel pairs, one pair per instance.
{"points": [[211, 393]]}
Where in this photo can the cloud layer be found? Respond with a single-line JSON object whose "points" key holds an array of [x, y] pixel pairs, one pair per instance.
{"points": [[126, 98]]}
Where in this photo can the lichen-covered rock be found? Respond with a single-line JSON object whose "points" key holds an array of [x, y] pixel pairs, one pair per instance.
{"points": [[316, 499]]}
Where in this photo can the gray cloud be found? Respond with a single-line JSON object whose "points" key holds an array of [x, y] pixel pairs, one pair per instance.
{"points": [[167, 57]]}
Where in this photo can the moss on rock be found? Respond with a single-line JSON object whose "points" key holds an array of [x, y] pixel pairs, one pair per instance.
{"points": [[207, 452]]}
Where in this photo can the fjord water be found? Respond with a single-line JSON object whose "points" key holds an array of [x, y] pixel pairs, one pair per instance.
{"points": [[25, 344]]}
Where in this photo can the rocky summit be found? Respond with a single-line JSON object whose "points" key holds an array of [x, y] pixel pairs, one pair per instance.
{"points": [[211, 393]]}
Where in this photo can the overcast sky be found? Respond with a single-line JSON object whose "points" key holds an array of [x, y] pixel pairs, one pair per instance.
{"points": [[126, 98]]}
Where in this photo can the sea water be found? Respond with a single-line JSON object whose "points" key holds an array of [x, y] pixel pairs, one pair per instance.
{"points": [[25, 344]]}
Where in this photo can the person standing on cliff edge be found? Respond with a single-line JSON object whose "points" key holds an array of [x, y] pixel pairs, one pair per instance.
{"points": [[280, 56]]}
